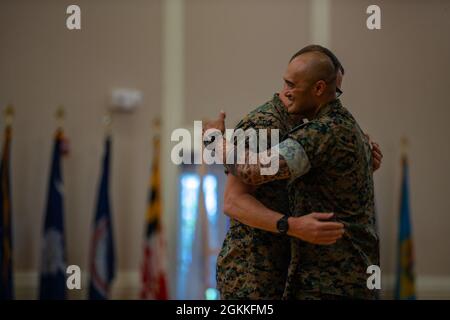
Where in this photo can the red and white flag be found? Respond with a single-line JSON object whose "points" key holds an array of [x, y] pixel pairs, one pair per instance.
{"points": [[154, 280]]}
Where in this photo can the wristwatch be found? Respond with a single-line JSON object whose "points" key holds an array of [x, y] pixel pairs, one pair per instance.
{"points": [[283, 225]]}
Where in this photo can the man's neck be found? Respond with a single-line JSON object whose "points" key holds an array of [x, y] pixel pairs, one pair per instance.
{"points": [[296, 118], [321, 105]]}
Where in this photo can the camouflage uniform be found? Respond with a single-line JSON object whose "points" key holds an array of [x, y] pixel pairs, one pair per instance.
{"points": [[331, 171], [253, 263]]}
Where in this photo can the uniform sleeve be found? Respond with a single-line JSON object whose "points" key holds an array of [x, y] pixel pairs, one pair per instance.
{"points": [[308, 147], [260, 118]]}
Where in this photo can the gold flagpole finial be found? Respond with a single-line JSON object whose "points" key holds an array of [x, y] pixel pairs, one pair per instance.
{"points": [[60, 115], [107, 120], [156, 128], [156, 123], [404, 141], [9, 114], [404, 145]]}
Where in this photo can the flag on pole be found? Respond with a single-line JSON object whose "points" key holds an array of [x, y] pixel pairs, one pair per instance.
{"points": [[102, 258], [53, 260], [405, 285], [6, 281], [203, 223], [154, 283]]}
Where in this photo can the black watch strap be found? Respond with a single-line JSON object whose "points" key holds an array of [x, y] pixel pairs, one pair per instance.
{"points": [[283, 225]]}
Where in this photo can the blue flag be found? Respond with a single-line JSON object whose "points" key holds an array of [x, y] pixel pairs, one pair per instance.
{"points": [[6, 280], [53, 261], [102, 259], [405, 285]]}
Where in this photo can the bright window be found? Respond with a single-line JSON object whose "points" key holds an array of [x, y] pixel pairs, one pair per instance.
{"points": [[201, 232]]}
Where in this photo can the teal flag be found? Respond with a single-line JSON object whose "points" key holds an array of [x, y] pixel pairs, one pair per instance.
{"points": [[405, 285]]}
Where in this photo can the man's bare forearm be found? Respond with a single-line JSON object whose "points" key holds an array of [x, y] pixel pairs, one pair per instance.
{"points": [[241, 205], [248, 210]]}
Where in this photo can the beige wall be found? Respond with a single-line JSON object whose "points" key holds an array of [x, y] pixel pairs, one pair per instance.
{"points": [[236, 52], [42, 65], [396, 85]]}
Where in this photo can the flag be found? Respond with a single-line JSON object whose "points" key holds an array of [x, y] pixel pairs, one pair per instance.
{"points": [[405, 286], [6, 281], [154, 284], [53, 260], [377, 231], [102, 258]]}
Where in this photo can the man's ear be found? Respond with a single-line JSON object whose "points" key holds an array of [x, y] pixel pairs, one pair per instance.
{"points": [[320, 87]]}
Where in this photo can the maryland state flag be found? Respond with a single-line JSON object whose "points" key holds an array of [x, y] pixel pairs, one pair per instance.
{"points": [[53, 260], [102, 259], [6, 280], [153, 267], [405, 285]]}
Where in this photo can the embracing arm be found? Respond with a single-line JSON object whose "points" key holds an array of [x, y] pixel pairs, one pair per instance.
{"points": [[251, 173], [267, 166], [286, 160], [237, 164], [241, 205], [377, 155]]}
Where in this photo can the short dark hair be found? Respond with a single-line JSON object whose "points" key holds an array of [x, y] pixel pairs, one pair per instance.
{"points": [[317, 48]]}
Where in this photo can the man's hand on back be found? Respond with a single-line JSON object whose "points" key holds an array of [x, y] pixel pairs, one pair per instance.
{"points": [[218, 123], [377, 155]]}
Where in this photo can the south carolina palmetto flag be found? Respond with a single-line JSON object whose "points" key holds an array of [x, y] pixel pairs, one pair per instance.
{"points": [[53, 260], [154, 281]]}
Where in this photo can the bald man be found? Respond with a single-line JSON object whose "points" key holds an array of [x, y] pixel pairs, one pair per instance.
{"points": [[328, 164]]}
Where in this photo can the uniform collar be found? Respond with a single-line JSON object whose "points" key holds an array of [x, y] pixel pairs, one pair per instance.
{"points": [[327, 108], [323, 110], [278, 103]]}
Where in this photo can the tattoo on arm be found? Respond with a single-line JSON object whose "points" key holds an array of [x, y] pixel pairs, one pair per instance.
{"points": [[250, 173]]}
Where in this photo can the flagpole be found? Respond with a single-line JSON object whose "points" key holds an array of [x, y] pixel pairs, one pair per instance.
{"points": [[6, 261], [403, 163], [162, 293], [154, 264], [53, 280], [157, 127], [60, 115], [107, 120], [204, 225], [157, 158], [9, 115], [405, 285], [102, 258], [404, 144]]}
